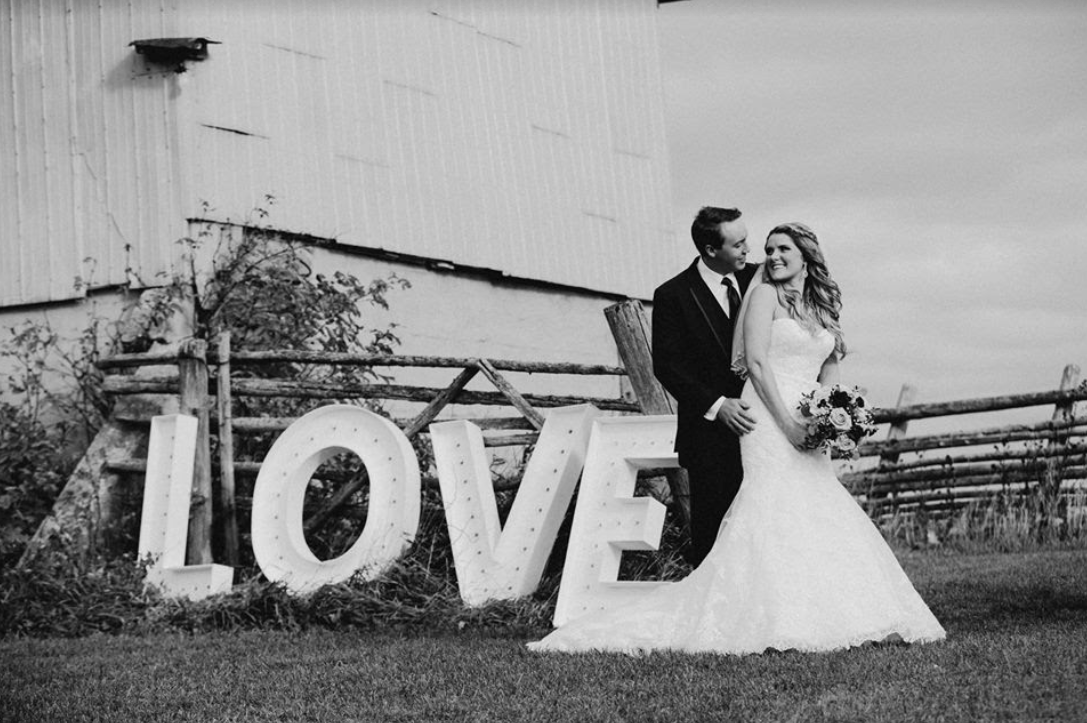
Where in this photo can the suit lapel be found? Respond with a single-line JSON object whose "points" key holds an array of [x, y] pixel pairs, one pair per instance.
{"points": [[709, 310]]}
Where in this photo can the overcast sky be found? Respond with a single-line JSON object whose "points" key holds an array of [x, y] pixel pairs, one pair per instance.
{"points": [[939, 150]]}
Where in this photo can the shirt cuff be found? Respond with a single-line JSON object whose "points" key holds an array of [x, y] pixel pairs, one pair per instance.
{"points": [[711, 415]]}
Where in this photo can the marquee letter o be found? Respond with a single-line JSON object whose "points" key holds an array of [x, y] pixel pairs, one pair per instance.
{"points": [[392, 519]]}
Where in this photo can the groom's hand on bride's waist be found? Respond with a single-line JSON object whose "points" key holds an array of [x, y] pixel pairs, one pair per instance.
{"points": [[733, 412]]}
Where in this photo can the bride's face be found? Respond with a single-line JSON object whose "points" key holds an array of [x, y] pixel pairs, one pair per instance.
{"points": [[784, 262]]}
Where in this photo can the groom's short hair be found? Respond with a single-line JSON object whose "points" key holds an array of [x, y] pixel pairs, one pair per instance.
{"points": [[705, 231]]}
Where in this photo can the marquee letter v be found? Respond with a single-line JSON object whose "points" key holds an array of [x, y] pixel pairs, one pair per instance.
{"points": [[492, 562]]}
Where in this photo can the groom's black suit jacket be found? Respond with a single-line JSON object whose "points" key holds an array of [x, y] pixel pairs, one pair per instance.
{"points": [[692, 356]]}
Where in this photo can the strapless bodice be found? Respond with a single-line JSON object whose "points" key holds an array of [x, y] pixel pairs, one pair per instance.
{"points": [[796, 352]]}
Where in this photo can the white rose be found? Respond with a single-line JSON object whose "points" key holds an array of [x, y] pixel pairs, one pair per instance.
{"points": [[845, 445], [840, 419]]}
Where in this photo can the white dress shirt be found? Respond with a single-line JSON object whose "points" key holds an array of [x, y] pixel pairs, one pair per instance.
{"points": [[714, 283], [720, 292]]}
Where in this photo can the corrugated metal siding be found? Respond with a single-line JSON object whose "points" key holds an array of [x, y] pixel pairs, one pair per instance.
{"points": [[37, 170], [498, 135], [504, 135], [89, 167]]}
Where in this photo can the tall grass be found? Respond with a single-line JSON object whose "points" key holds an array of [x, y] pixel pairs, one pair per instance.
{"points": [[57, 598], [1004, 522]]}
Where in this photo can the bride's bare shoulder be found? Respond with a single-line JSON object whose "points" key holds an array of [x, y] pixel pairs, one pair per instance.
{"points": [[765, 302], [761, 303], [764, 297], [760, 293]]}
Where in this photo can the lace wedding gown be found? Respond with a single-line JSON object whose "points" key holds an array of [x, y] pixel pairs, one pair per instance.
{"points": [[797, 563]]}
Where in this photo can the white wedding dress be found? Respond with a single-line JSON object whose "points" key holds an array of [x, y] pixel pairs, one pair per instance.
{"points": [[797, 563]]}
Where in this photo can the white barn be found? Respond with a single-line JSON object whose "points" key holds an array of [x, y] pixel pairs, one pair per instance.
{"points": [[510, 156]]}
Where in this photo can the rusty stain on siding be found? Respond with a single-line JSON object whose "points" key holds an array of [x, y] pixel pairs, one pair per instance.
{"points": [[453, 20], [549, 131], [413, 88], [234, 130], [292, 50], [364, 161], [498, 38]]}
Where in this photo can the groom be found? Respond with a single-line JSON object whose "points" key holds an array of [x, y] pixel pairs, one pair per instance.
{"points": [[693, 320]]}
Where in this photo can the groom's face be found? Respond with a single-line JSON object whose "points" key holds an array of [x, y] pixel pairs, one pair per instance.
{"points": [[732, 256]]}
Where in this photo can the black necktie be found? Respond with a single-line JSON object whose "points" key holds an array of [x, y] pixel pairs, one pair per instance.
{"points": [[733, 298]]}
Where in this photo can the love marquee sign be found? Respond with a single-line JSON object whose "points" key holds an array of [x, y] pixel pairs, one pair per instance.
{"points": [[492, 561]]}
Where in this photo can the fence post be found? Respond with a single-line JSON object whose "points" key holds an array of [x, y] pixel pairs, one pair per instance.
{"points": [[228, 523], [193, 385], [1062, 412], [631, 331], [632, 334], [906, 396]]}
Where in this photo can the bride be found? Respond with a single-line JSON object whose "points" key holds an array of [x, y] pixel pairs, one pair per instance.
{"points": [[797, 563]]}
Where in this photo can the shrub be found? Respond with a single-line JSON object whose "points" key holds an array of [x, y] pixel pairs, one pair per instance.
{"points": [[255, 283], [31, 475], [45, 427]]}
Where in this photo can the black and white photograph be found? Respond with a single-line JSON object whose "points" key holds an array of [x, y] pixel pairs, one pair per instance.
{"points": [[543, 360]]}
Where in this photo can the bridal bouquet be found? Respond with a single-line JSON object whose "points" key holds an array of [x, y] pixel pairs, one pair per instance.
{"points": [[837, 417]]}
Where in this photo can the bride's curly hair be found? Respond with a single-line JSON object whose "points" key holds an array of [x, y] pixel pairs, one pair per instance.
{"points": [[821, 301]]}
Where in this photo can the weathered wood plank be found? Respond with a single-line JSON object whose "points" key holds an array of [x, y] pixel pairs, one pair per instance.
{"points": [[511, 440], [251, 425], [937, 500], [515, 398], [901, 480], [984, 404], [440, 401], [630, 328], [934, 479], [254, 358], [193, 385], [1062, 412], [228, 516], [387, 360], [121, 361], [323, 390], [992, 435], [75, 523], [898, 428], [948, 462], [116, 384], [500, 423]]}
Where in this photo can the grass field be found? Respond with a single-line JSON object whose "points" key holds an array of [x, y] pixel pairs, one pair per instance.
{"points": [[1017, 650]]}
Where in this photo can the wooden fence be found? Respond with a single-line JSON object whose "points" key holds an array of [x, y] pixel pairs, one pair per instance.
{"points": [[943, 472], [204, 383], [898, 472]]}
